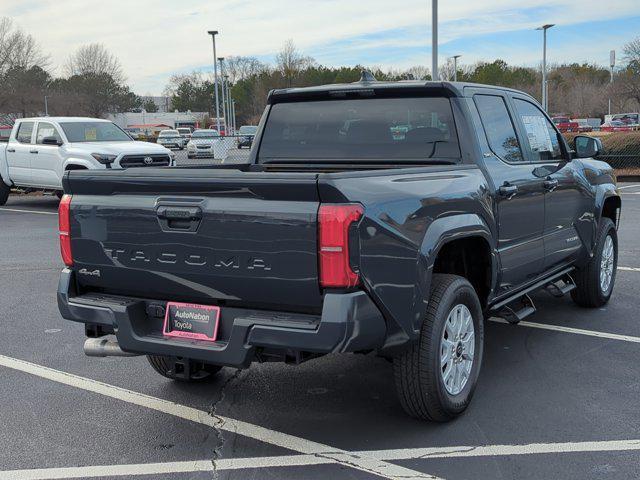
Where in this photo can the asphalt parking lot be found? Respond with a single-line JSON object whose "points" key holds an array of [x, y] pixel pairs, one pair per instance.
{"points": [[558, 396]]}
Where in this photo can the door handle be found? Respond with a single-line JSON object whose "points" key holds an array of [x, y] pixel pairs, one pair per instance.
{"points": [[33, 151], [11, 150], [507, 190], [550, 184]]}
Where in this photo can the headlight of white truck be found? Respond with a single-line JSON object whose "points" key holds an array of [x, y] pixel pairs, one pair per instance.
{"points": [[104, 158]]}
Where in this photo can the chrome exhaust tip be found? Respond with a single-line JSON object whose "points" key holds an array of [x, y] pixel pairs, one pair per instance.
{"points": [[104, 347]]}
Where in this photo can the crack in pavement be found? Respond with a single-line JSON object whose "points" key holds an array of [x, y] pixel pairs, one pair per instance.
{"points": [[220, 421]]}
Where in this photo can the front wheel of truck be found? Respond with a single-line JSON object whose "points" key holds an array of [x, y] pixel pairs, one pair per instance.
{"points": [[436, 377], [182, 369], [595, 280]]}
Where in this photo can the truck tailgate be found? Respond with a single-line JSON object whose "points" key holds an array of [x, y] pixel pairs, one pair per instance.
{"points": [[195, 235]]}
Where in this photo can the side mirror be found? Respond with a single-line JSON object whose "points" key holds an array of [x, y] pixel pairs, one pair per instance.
{"points": [[588, 147], [51, 141]]}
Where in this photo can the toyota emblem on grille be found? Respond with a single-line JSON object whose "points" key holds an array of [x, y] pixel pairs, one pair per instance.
{"points": [[148, 160]]}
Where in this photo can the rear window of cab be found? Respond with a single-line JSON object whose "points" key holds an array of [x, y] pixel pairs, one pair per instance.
{"points": [[371, 129]]}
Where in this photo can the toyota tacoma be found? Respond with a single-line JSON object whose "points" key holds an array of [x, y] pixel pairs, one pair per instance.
{"points": [[374, 217]]}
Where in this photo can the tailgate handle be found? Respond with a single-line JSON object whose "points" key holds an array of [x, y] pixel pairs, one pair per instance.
{"points": [[184, 219]]}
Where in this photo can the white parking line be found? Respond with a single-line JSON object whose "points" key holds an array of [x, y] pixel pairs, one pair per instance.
{"points": [[629, 186], [41, 212], [284, 440], [307, 460], [505, 450], [579, 331], [162, 468], [629, 269]]}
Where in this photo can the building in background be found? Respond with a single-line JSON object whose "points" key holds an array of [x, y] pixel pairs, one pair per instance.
{"points": [[168, 119]]}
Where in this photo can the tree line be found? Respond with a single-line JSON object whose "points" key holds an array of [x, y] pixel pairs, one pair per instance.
{"points": [[92, 81], [576, 89]]}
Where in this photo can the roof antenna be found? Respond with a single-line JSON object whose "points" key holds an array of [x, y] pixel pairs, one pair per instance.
{"points": [[367, 76]]}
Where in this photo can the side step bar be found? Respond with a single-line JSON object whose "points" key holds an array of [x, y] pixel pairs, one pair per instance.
{"points": [[519, 306]]}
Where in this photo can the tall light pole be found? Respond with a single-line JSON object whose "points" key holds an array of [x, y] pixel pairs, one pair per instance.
{"points": [[612, 64], [233, 114], [229, 110], [213, 34], [224, 97], [545, 100], [455, 67], [434, 40], [46, 104]]}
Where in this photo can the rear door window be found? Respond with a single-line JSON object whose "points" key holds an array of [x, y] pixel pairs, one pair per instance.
{"points": [[360, 130], [25, 130], [501, 134]]}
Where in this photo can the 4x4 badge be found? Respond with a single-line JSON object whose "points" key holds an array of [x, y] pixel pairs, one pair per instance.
{"points": [[94, 273]]}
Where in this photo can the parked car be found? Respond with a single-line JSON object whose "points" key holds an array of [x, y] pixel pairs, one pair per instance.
{"points": [[565, 125], [41, 150], [337, 239], [5, 132], [171, 139], [134, 133], [583, 125], [615, 126], [246, 132], [203, 143], [185, 132]]}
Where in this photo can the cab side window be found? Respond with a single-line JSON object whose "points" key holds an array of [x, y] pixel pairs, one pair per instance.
{"points": [[24, 132], [46, 130], [543, 138], [501, 134]]}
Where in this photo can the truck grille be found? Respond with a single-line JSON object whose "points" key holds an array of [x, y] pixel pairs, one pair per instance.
{"points": [[131, 161]]}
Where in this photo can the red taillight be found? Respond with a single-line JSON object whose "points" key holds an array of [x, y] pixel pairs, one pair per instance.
{"points": [[64, 227], [333, 249]]}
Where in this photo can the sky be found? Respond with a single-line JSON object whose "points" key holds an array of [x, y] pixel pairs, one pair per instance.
{"points": [[155, 39]]}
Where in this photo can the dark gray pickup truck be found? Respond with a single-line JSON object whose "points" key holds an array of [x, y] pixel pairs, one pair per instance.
{"points": [[390, 218]]}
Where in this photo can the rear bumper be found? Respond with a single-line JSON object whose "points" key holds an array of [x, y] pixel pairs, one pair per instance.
{"points": [[349, 322]]}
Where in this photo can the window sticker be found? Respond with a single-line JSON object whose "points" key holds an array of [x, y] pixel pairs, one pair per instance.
{"points": [[538, 133], [90, 134]]}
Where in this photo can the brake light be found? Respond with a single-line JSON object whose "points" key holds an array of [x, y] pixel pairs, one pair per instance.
{"points": [[333, 249], [64, 227]]}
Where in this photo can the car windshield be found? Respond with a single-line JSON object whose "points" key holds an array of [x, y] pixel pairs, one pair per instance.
{"points": [[169, 133], [248, 130], [379, 129], [205, 134], [94, 132]]}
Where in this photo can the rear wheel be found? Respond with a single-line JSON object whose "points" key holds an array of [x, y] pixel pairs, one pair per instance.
{"points": [[182, 369], [4, 192], [595, 280], [435, 379]]}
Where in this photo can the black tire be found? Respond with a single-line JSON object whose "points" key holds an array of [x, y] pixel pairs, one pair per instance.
{"points": [[418, 371], [198, 371], [589, 292], [4, 192], [59, 194]]}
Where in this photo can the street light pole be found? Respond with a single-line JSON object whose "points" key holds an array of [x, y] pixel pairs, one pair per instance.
{"points": [[545, 100], [224, 97], [455, 67], [434, 40], [46, 107], [229, 102], [233, 114], [213, 34], [612, 63]]}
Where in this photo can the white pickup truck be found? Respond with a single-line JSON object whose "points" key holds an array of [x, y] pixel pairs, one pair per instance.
{"points": [[40, 150]]}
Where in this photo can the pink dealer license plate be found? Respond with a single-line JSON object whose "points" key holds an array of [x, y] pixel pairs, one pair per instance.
{"points": [[188, 320]]}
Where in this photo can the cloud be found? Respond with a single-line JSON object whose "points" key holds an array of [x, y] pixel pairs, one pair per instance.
{"points": [[155, 38]]}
